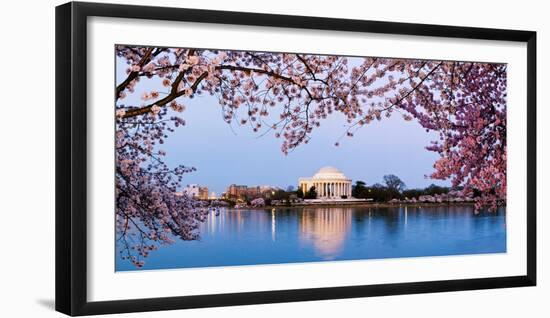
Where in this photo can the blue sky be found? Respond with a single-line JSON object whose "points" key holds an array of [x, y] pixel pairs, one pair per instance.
{"points": [[224, 154]]}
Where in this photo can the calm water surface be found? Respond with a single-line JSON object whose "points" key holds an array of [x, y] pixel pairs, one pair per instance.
{"points": [[288, 235]]}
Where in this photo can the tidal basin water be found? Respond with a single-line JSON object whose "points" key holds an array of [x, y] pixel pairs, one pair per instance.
{"points": [[291, 235]]}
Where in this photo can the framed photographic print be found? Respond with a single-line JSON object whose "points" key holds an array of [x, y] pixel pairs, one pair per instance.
{"points": [[209, 158]]}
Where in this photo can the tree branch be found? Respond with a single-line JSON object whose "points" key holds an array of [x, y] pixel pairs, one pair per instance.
{"points": [[134, 74], [175, 94]]}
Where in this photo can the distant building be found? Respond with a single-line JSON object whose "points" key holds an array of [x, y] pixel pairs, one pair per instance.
{"points": [[195, 191], [253, 192], [203, 193], [235, 191], [329, 183]]}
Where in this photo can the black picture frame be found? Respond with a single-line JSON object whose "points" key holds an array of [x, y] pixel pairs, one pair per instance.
{"points": [[71, 157]]}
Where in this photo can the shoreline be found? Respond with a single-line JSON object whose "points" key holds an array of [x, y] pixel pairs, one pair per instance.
{"points": [[357, 205]]}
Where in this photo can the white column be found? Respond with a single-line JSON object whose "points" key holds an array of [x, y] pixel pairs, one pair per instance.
{"points": [[343, 187], [318, 189]]}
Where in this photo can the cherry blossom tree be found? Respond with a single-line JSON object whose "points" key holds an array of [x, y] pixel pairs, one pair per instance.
{"points": [[288, 96], [258, 202]]}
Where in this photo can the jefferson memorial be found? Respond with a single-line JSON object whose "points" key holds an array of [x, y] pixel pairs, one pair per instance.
{"points": [[329, 183]]}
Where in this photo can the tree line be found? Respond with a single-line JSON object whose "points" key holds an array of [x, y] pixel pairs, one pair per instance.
{"points": [[392, 188]]}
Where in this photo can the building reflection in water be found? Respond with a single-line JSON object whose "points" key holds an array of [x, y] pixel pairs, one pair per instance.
{"points": [[237, 223], [326, 229], [406, 217], [214, 223], [273, 225], [229, 222]]}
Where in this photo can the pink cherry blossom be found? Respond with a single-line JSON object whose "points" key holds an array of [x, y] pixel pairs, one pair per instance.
{"points": [[155, 109]]}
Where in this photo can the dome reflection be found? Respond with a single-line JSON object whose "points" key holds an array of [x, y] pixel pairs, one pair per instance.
{"points": [[326, 229]]}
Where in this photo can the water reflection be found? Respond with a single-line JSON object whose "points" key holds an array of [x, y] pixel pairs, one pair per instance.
{"points": [[326, 229], [286, 235], [273, 225]]}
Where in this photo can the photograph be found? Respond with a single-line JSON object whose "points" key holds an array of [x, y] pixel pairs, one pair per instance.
{"points": [[227, 157]]}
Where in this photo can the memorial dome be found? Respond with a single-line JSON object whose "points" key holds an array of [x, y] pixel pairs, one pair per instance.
{"points": [[329, 173]]}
